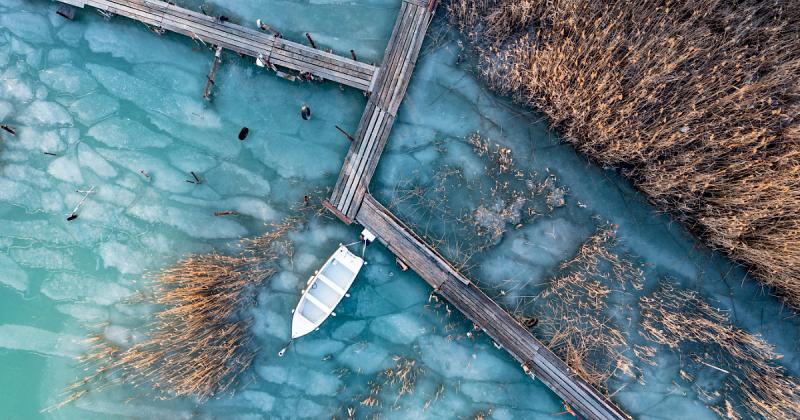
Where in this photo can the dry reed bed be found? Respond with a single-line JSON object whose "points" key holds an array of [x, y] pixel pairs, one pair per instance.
{"points": [[199, 343], [696, 102]]}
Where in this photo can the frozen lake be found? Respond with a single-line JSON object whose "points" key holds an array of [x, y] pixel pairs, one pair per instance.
{"points": [[97, 103]]}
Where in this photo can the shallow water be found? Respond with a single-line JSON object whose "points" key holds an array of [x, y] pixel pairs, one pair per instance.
{"points": [[111, 99]]}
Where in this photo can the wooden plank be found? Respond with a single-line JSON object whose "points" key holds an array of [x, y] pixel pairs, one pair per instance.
{"points": [[364, 154], [396, 55], [207, 29], [504, 329], [371, 137], [245, 32], [76, 3], [344, 175]]}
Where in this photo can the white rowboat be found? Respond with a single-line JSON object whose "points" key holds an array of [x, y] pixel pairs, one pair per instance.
{"points": [[325, 290]]}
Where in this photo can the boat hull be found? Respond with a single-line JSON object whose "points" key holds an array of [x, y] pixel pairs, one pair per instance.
{"points": [[324, 291]]}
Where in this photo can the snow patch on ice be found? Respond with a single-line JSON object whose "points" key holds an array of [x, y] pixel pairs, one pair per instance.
{"points": [[66, 78], [75, 287], [93, 108], [127, 134], [401, 328], [366, 357], [454, 360], [25, 338], [28, 26], [66, 169], [193, 223], [92, 160], [122, 257], [45, 113], [12, 275]]}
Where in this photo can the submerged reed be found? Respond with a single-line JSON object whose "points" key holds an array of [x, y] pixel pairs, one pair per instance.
{"points": [[574, 308], [697, 102], [753, 384]]}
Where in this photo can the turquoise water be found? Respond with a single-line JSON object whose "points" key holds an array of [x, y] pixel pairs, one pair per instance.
{"points": [[111, 99]]}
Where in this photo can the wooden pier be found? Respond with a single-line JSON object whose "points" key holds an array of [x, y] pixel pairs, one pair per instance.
{"points": [[351, 202], [350, 199], [209, 30], [484, 312], [376, 122]]}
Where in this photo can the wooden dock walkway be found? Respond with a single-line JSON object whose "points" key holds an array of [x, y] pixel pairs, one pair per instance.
{"points": [[484, 312], [376, 122], [350, 200], [252, 42]]}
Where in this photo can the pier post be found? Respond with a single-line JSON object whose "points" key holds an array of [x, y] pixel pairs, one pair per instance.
{"points": [[212, 74]]}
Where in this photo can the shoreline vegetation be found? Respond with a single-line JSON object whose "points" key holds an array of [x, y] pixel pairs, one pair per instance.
{"points": [[696, 103]]}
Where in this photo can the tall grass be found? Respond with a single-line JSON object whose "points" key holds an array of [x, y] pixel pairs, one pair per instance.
{"points": [[697, 102]]}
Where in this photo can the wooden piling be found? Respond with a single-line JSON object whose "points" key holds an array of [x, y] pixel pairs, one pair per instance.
{"points": [[311, 41], [66, 11], [212, 74]]}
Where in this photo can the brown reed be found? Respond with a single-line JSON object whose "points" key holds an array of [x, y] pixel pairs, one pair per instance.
{"points": [[754, 384], [573, 308], [199, 343], [698, 102]]}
